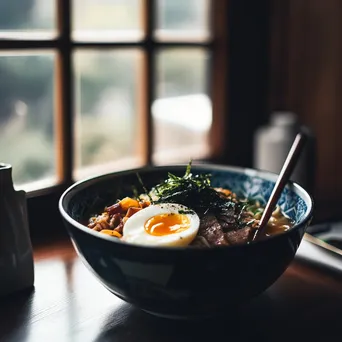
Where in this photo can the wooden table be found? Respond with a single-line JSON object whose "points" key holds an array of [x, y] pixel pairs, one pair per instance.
{"points": [[68, 304]]}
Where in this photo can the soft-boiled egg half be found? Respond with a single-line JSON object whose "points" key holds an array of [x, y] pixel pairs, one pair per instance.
{"points": [[165, 224]]}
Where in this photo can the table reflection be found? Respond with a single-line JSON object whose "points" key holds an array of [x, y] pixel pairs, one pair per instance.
{"points": [[69, 304]]}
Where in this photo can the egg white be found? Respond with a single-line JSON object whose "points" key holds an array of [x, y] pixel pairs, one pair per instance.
{"points": [[134, 231]]}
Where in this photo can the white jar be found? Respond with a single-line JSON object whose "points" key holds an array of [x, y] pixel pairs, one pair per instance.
{"points": [[272, 143]]}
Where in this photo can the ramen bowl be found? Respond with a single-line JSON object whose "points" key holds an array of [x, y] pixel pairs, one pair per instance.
{"points": [[184, 282]]}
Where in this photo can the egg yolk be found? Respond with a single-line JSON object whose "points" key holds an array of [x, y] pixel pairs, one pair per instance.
{"points": [[166, 224]]}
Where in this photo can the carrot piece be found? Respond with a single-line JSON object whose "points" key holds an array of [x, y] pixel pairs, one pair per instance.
{"points": [[111, 233], [131, 211], [128, 202], [144, 204]]}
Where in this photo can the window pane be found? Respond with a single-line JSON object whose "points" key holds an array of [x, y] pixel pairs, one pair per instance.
{"points": [[107, 20], [182, 113], [107, 119], [182, 20], [27, 19], [26, 117]]}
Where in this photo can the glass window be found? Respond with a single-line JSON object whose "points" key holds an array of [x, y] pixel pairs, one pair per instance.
{"points": [[27, 117], [109, 96], [182, 20], [107, 20], [182, 113], [27, 19], [107, 122]]}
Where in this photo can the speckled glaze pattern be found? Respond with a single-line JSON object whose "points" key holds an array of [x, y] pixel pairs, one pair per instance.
{"points": [[183, 282]]}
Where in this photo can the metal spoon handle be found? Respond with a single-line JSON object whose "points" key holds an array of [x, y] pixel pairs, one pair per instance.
{"points": [[284, 176]]}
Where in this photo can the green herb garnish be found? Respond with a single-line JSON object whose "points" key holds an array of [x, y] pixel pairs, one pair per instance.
{"points": [[144, 188], [193, 191], [184, 212]]}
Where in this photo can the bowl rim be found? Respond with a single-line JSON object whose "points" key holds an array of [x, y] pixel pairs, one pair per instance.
{"points": [[252, 172]]}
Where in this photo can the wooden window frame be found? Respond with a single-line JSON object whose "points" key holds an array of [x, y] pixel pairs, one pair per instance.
{"points": [[42, 203], [64, 109], [238, 87]]}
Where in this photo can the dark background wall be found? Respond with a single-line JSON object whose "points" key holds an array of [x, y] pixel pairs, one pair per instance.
{"points": [[287, 55], [249, 60], [306, 77]]}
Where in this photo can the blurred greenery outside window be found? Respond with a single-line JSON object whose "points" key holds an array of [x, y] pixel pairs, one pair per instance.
{"points": [[106, 87]]}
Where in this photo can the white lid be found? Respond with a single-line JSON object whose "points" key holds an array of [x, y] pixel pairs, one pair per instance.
{"points": [[284, 118]]}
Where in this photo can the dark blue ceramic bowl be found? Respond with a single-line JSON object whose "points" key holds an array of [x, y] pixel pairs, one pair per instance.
{"points": [[183, 282]]}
